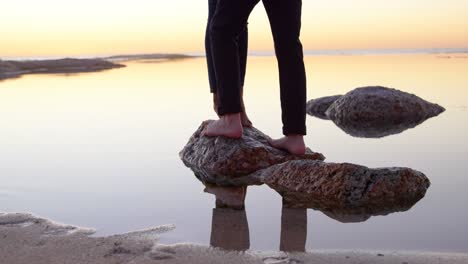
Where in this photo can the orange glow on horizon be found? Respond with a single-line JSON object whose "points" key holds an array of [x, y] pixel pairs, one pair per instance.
{"points": [[55, 28]]}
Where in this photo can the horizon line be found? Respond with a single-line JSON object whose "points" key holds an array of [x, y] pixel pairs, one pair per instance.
{"points": [[308, 52]]}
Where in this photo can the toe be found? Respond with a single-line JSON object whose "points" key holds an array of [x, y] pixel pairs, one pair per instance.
{"points": [[272, 142], [205, 127], [206, 122]]}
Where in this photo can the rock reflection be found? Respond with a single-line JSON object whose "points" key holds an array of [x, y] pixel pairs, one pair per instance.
{"points": [[230, 228]]}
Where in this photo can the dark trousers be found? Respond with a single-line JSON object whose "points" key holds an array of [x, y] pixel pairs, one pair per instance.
{"points": [[242, 43], [229, 20]]}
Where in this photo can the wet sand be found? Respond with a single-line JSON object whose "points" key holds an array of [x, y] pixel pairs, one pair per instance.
{"points": [[25, 238]]}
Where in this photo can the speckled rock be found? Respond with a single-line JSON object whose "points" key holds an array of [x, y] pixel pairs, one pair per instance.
{"points": [[378, 111], [222, 160], [374, 111], [318, 107], [344, 188], [346, 192]]}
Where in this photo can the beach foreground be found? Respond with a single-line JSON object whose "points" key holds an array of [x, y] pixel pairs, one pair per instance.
{"points": [[29, 239]]}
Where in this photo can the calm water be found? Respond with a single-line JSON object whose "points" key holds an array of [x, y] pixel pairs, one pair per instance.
{"points": [[101, 149]]}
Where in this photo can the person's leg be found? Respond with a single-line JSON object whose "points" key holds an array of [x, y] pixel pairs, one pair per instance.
{"points": [[209, 55], [243, 50], [229, 20], [243, 45], [285, 22]]}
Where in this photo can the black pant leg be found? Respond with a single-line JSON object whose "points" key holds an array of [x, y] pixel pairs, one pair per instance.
{"points": [[243, 50], [285, 22], [209, 55], [228, 22]]}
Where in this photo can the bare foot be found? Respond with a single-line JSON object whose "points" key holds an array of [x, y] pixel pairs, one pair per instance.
{"points": [[227, 125], [245, 121], [294, 144]]}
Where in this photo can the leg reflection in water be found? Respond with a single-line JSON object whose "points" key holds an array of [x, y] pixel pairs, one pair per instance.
{"points": [[229, 226], [230, 229], [293, 229]]}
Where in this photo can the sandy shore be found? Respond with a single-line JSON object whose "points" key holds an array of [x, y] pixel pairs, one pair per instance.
{"points": [[25, 238]]}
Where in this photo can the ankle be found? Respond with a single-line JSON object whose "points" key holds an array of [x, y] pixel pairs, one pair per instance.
{"points": [[231, 118], [295, 136]]}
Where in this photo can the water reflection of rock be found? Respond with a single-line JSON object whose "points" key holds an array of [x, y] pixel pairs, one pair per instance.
{"points": [[230, 228], [374, 112]]}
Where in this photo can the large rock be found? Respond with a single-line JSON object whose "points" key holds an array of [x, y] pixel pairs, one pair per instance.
{"points": [[343, 190], [374, 111], [346, 192], [221, 160], [318, 107]]}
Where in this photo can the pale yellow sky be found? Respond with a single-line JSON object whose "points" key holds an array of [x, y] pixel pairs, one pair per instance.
{"points": [[90, 27]]}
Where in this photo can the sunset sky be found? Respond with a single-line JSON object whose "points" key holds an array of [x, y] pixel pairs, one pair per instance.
{"points": [[90, 27]]}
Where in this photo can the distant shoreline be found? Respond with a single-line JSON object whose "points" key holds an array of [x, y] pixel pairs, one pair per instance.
{"points": [[344, 52], [16, 68], [155, 56], [356, 52]]}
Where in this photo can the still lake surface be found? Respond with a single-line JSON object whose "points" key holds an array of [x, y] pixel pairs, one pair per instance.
{"points": [[101, 149]]}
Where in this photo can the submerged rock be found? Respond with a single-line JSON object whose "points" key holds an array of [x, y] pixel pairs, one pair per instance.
{"points": [[345, 191], [222, 160], [374, 111], [318, 107]]}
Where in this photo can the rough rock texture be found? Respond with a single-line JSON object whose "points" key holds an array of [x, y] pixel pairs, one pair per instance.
{"points": [[375, 111], [222, 160], [343, 189], [318, 107], [9, 69]]}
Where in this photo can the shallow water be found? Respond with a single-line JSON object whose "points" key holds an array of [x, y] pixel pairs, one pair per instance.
{"points": [[101, 149]]}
